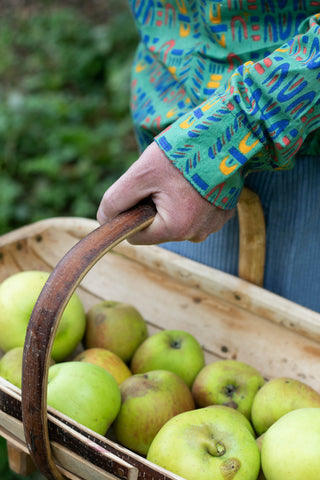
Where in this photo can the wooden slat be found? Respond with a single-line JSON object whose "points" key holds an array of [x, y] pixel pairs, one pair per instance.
{"points": [[11, 428], [100, 455], [72, 466], [19, 460], [231, 289]]}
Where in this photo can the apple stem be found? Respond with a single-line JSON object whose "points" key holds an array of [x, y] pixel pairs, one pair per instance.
{"points": [[216, 449]]}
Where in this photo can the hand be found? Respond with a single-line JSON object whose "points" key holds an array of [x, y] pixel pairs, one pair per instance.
{"points": [[182, 213]]}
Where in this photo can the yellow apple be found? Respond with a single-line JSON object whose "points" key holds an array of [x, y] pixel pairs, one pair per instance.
{"points": [[148, 401], [18, 295], [106, 359], [174, 350], [115, 326]]}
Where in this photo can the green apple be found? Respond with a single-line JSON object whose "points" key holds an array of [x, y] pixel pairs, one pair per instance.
{"points": [[11, 366], [227, 382], [85, 392], [291, 446], [278, 396], [214, 442], [115, 326], [18, 295], [174, 350], [148, 401], [108, 360]]}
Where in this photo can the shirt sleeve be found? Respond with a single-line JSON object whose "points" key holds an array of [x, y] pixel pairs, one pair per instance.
{"points": [[259, 121]]}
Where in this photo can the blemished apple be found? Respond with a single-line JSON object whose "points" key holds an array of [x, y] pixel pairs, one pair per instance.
{"points": [[291, 446], [227, 382], [279, 396], [11, 366], [18, 295], [214, 442], [108, 360], [174, 350], [115, 326], [148, 401], [85, 392]]}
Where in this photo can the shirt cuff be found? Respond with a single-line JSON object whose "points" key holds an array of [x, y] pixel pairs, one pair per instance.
{"points": [[214, 148]]}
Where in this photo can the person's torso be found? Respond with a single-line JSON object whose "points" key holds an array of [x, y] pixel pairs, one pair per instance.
{"points": [[189, 48]]}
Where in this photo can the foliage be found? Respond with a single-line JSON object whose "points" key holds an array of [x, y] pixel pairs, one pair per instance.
{"points": [[6, 473], [65, 126]]}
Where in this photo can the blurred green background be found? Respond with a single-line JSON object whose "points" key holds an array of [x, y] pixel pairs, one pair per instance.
{"points": [[65, 126]]}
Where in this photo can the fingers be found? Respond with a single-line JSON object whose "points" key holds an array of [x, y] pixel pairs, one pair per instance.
{"points": [[193, 221], [121, 196], [137, 183]]}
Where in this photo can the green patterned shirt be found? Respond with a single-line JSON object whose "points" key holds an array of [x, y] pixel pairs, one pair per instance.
{"points": [[227, 87]]}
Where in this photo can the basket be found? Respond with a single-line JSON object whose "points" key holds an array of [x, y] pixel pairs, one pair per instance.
{"points": [[231, 317]]}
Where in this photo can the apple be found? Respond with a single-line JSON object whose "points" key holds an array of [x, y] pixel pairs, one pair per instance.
{"points": [[174, 350], [291, 446], [106, 359], [11, 366], [18, 295], [85, 392], [148, 400], [278, 396], [227, 382], [214, 442], [115, 326]]}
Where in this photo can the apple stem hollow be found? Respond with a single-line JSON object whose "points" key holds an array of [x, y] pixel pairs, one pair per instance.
{"points": [[176, 344], [230, 389]]}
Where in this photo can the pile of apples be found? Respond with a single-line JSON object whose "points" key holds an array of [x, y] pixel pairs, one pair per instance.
{"points": [[156, 395]]}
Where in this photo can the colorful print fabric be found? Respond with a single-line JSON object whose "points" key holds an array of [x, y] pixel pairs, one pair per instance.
{"points": [[227, 87]]}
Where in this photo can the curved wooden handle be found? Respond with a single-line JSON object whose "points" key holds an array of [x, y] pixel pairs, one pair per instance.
{"points": [[44, 321]]}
